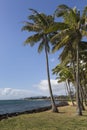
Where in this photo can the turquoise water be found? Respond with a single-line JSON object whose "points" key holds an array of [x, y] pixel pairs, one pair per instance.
{"points": [[11, 106]]}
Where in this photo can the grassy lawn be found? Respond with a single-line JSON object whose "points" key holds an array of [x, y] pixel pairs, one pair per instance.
{"points": [[65, 120]]}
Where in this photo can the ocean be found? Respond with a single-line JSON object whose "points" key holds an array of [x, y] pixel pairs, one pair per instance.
{"points": [[11, 106]]}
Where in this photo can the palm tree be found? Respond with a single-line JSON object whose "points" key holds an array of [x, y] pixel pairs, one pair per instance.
{"points": [[39, 23], [70, 38], [65, 74], [83, 70]]}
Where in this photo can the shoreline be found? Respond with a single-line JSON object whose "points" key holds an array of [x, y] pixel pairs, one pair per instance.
{"points": [[41, 109]]}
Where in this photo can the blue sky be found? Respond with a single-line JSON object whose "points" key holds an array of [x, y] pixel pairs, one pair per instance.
{"points": [[22, 69]]}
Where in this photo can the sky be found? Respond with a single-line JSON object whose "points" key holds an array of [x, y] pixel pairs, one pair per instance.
{"points": [[22, 69]]}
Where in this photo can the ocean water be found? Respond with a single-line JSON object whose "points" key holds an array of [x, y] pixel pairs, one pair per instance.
{"points": [[11, 106]]}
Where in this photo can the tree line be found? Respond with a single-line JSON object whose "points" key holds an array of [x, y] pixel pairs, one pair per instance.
{"points": [[66, 29]]}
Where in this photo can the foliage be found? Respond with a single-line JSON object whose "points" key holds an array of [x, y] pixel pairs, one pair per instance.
{"points": [[70, 40], [67, 35], [63, 73], [38, 23]]}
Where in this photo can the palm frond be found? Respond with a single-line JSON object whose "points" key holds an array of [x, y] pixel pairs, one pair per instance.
{"points": [[84, 12], [33, 39], [84, 33], [57, 69], [66, 38], [61, 80], [66, 54], [41, 46], [61, 43], [63, 73], [61, 10], [40, 17], [31, 27], [66, 61], [64, 7], [71, 20], [70, 16], [57, 26], [60, 35]]}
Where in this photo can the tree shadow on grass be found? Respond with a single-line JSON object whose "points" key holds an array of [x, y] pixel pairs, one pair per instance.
{"points": [[62, 112]]}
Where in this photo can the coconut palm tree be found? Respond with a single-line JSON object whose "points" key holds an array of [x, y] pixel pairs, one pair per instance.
{"points": [[83, 71], [70, 38], [65, 74], [38, 23]]}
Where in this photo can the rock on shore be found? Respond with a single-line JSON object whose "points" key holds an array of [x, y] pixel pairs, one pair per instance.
{"points": [[41, 109]]}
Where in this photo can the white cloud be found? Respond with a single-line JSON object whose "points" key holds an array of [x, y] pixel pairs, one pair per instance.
{"points": [[40, 89], [58, 88], [10, 93]]}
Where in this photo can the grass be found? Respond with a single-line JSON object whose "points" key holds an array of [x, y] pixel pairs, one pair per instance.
{"points": [[65, 120]]}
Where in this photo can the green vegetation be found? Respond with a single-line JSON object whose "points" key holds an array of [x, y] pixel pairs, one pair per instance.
{"points": [[65, 120], [67, 35], [71, 41]]}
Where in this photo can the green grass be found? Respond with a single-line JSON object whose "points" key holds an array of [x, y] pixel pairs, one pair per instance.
{"points": [[65, 120]]}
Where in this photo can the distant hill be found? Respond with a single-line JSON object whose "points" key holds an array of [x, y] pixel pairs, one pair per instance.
{"points": [[62, 97]]}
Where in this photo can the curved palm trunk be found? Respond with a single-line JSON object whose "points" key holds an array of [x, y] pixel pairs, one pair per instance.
{"points": [[54, 108], [84, 91], [79, 110], [81, 98], [69, 92]]}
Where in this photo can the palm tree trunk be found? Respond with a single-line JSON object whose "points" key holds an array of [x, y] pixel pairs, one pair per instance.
{"points": [[69, 92], [81, 98], [84, 88], [79, 110], [54, 108]]}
